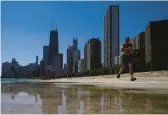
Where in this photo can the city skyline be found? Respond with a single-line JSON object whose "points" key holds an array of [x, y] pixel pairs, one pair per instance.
{"points": [[26, 30]]}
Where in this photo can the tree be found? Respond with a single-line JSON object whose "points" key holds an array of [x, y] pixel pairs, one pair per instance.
{"points": [[99, 71], [105, 70], [115, 68], [79, 74]]}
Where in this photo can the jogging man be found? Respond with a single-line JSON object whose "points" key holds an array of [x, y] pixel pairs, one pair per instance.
{"points": [[126, 58]]}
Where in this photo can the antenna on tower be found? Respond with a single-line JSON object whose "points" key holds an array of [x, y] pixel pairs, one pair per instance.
{"points": [[52, 25]]}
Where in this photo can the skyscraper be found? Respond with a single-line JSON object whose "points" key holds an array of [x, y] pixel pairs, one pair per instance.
{"points": [[93, 53], [61, 60], [14, 61], [85, 56], [70, 59], [6, 69], [140, 40], [73, 55], [156, 34], [42, 68], [15, 64], [65, 69], [75, 43], [79, 54], [53, 46], [36, 60], [138, 45], [76, 55], [45, 53], [111, 34], [58, 64], [81, 65]]}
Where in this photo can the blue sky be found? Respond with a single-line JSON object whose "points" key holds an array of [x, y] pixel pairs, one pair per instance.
{"points": [[26, 25]]}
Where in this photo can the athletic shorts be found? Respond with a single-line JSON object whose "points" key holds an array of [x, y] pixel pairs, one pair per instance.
{"points": [[126, 59]]}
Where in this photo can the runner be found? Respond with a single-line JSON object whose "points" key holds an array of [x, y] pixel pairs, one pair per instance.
{"points": [[126, 58]]}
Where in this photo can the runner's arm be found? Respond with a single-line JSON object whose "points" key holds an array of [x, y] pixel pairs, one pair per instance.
{"points": [[130, 47]]}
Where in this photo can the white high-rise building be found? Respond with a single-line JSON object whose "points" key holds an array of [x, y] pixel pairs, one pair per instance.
{"points": [[81, 65], [117, 60], [76, 55], [111, 34]]}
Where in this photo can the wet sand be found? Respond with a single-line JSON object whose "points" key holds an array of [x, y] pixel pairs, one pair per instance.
{"points": [[49, 98]]}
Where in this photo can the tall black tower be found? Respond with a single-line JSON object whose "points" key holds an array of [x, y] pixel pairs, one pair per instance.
{"points": [[53, 46]]}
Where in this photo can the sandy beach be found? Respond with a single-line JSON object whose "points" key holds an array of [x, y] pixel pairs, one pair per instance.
{"points": [[147, 80]]}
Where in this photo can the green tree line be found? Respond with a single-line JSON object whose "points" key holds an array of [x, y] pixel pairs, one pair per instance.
{"points": [[95, 72]]}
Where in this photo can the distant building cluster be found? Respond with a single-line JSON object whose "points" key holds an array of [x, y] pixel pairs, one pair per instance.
{"points": [[150, 45], [18, 70], [52, 62], [73, 55]]}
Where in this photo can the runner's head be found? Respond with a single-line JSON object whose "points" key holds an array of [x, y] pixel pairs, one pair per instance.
{"points": [[127, 39]]}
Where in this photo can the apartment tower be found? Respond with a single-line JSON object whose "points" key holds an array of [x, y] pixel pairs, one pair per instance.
{"points": [[111, 35], [156, 47], [93, 54], [45, 53]]}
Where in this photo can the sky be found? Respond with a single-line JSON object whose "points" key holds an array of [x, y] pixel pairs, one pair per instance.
{"points": [[25, 26]]}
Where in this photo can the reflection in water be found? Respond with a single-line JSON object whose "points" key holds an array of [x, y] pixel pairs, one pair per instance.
{"points": [[36, 98], [13, 97], [50, 99], [102, 104], [81, 109], [62, 107]]}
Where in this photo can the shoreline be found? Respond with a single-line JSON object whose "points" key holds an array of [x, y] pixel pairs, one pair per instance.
{"points": [[145, 80], [122, 83]]}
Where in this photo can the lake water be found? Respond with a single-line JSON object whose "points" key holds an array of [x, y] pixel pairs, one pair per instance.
{"points": [[9, 80], [47, 98]]}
